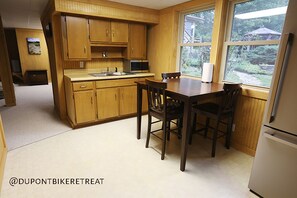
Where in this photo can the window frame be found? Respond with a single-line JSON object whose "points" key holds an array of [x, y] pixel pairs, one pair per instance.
{"points": [[228, 42], [180, 43]]}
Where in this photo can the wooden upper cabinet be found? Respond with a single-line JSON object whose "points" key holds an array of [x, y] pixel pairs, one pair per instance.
{"points": [[137, 42], [99, 30], [119, 32], [105, 31], [75, 36]]}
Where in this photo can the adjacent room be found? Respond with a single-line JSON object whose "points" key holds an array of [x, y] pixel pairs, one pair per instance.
{"points": [[123, 98]]}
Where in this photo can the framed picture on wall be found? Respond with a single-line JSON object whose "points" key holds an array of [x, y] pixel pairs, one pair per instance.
{"points": [[34, 46]]}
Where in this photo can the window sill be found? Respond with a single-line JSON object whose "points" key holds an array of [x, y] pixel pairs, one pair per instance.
{"points": [[259, 93]]}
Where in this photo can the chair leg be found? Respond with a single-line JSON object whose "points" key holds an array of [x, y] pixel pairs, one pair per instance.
{"points": [[164, 140], [214, 140], [168, 129], [193, 128], [206, 127], [149, 124], [179, 127], [229, 132]]}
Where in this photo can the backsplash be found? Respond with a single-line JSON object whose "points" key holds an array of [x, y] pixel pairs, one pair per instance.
{"points": [[100, 64]]}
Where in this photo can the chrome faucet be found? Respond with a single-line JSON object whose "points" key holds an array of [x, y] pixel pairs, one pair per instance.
{"points": [[116, 69]]}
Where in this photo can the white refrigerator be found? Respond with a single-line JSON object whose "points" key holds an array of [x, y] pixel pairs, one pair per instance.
{"points": [[274, 172]]}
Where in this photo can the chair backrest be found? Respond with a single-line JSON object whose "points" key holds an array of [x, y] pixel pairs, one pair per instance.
{"points": [[170, 75], [231, 92], [156, 95]]}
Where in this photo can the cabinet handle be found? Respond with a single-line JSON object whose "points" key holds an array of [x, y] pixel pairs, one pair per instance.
{"points": [[132, 50], [107, 33], [91, 100], [83, 86], [115, 97]]}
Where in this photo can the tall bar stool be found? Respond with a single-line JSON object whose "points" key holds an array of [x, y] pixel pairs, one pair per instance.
{"points": [[161, 108], [173, 75], [224, 110]]}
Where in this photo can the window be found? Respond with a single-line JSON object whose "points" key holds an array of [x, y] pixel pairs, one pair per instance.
{"points": [[252, 41], [195, 43]]}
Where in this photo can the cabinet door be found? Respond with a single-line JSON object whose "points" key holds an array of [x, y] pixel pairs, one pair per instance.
{"points": [[77, 38], [107, 103], [119, 32], [99, 30], [137, 41], [85, 109], [128, 100]]}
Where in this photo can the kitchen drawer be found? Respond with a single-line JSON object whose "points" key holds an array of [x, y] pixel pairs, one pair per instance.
{"points": [[80, 86], [115, 83]]}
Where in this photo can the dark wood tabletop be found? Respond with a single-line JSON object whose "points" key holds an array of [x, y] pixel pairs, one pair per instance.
{"points": [[188, 91]]}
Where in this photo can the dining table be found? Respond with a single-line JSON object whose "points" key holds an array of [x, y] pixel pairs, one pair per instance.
{"points": [[188, 91]]}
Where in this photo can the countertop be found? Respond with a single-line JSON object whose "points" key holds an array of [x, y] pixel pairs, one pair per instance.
{"points": [[86, 77]]}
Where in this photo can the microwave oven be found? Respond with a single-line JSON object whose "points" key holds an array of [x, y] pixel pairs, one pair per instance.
{"points": [[136, 66]]}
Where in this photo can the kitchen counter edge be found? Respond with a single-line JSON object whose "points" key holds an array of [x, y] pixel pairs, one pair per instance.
{"points": [[87, 77]]}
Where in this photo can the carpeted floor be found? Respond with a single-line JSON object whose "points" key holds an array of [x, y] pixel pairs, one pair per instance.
{"points": [[33, 118]]}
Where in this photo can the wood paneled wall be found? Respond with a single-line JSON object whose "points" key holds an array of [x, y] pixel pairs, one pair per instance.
{"points": [[161, 44], [32, 62], [5, 71], [248, 121], [95, 64]]}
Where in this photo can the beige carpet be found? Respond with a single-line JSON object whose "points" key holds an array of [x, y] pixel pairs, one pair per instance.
{"points": [[33, 118], [112, 152]]}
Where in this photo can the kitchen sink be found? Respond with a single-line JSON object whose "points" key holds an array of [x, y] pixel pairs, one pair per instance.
{"points": [[102, 74]]}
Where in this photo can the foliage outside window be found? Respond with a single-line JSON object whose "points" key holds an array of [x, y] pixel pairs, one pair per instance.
{"points": [[252, 42], [196, 41]]}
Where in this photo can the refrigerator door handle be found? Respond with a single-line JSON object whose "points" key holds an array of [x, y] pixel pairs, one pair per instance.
{"points": [[281, 139], [283, 62]]}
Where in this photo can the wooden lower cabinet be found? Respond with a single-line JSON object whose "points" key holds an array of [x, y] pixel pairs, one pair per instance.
{"points": [[80, 101], [107, 103], [128, 100], [96, 101], [85, 108]]}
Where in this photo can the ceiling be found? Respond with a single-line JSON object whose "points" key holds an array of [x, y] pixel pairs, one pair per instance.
{"points": [[26, 13]]}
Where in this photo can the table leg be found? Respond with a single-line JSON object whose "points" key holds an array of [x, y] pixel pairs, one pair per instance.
{"points": [[139, 110], [185, 134]]}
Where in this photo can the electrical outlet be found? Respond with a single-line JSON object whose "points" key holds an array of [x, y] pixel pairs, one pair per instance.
{"points": [[81, 64], [233, 127]]}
